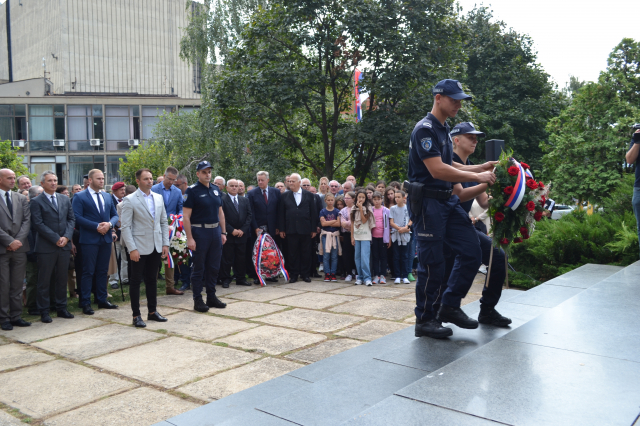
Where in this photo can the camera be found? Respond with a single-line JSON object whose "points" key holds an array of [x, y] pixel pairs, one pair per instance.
{"points": [[636, 126]]}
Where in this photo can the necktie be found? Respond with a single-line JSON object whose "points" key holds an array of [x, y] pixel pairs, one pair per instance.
{"points": [[235, 203], [9, 203], [54, 202], [264, 192], [100, 207]]}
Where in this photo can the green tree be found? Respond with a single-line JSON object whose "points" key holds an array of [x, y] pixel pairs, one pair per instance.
{"points": [[623, 71], [514, 96], [151, 155], [10, 159]]}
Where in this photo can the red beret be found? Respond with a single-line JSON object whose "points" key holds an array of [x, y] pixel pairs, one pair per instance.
{"points": [[117, 186]]}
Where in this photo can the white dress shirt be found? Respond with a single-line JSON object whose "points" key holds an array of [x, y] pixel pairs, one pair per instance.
{"points": [[298, 196], [95, 198], [51, 197], [150, 203]]}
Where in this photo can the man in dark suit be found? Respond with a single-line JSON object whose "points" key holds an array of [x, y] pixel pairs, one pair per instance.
{"points": [[237, 213], [264, 209], [298, 222], [53, 219], [15, 220], [96, 216], [172, 197]]}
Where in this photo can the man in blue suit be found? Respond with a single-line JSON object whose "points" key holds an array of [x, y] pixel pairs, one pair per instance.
{"points": [[172, 197], [264, 208], [95, 216]]}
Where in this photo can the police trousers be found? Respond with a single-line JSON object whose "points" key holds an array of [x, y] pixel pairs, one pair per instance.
{"points": [[206, 260], [493, 289], [443, 221]]}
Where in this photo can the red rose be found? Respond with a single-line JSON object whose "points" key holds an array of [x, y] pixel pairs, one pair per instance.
{"points": [[541, 185], [531, 206], [508, 190], [525, 166], [537, 216], [499, 216], [532, 184], [517, 240], [525, 237], [504, 241], [513, 171], [524, 230], [543, 200]]}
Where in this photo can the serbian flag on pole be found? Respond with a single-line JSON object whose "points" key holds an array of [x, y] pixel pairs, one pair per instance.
{"points": [[357, 76], [519, 188]]}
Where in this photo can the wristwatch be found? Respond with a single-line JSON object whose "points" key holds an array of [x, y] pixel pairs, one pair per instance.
{"points": [[224, 233], [110, 225]]}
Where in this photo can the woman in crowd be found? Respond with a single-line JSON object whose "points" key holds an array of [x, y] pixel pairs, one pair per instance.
{"points": [[362, 222], [348, 251]]}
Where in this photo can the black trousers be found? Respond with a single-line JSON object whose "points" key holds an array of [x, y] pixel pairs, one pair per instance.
{"points": [[146, 268], [249, 256], [315, 261], [378, 257], [234, 254], [52, 268], [298, 261], [348, 254]]}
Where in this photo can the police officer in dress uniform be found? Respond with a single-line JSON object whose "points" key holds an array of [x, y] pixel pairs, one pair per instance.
{"points": [[438, 217], [465, 138], [204, 224]]}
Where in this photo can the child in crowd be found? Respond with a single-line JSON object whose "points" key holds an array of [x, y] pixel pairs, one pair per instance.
{"points": [[339, 205], [361, 225], [401, 237], [380, 186], [330, 237], [390, 201], [348, 253], [379, 240], [370, 190]]}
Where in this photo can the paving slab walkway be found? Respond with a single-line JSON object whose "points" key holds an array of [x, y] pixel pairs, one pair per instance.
{"points": [[100, 370]]}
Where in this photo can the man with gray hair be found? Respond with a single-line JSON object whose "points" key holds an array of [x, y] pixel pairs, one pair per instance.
{"points": [[220, 183], [348, 186], [53, 219], [34, 191], [241, 190], [335, 188], [24, 182]]}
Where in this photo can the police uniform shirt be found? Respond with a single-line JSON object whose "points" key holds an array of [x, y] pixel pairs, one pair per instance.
{"points": [[429, 139], [204, 203], [467, 204]]}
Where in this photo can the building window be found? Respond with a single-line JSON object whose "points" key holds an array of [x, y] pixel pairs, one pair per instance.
{"points": [[84, 123], [46, 123], [122, 124], [151, 117], [13, 123], [113, 168], [80, 165]]}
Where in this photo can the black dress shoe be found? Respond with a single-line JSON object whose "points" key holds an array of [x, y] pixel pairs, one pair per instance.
{"points": [[87, 310], [225, 285], [63, 313], [214, 302], [243, 283], [456, 316], [432, 328], [316, 275], [293, 280], [6, 326], [137, 321], [256, 281], [306, 279], [21, 323], [45, 318], [107, 305], [200, 306], [156, 317], [493, 317]]}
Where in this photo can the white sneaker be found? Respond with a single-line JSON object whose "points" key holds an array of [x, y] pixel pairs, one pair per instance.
{"points": [[398, 281], [368, 282], [383, 280], [320, 268], [406, 281], [348, 278], [358, 282], [483, 269], [376, 280]]}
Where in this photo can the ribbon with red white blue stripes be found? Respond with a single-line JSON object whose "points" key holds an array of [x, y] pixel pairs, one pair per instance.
{"points": [[261, 241], [518, 189]]}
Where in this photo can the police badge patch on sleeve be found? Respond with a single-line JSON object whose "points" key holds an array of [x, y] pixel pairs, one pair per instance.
{"points": [[215, 192], [426, 143]]}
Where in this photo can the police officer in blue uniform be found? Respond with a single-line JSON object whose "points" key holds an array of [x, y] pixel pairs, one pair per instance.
{"points": [[438, 216], [465, 138], [204, 224]]}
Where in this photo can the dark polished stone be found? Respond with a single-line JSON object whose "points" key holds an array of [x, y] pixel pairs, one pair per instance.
{"points": [[255, 417], [524, 384], [547, 296], [585, 276]]}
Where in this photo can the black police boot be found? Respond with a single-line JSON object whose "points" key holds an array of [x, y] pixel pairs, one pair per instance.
{"points": [[200, 306], [489, 315], [214, 302], [456, 316], [432, 328]]}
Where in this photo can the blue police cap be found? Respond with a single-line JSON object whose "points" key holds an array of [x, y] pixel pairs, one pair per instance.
{"points": [[204, 165], [466, 128], [451, 88]]}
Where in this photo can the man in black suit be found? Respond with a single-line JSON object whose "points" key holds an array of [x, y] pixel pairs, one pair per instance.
{"points": [[298, 221], [237, 212], [264, 209], [53, 219]]}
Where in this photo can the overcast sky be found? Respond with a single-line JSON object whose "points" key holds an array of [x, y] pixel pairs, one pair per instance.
{"points": [[571, 37]]}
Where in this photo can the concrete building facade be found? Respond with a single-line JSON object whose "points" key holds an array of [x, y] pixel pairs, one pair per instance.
{"points": [[74, 70]]}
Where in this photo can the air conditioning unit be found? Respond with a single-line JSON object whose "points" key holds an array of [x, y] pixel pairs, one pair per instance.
{"points": [[94, 142], [18, 143], [134, 142], [58, 142]]}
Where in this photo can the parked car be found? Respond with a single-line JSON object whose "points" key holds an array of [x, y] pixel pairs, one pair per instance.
{"points": [[560, 210]]}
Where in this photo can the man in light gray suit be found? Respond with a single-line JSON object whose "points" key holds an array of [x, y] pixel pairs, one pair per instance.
{"points": [[145, 232], [53, 220], [15, 221]]}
